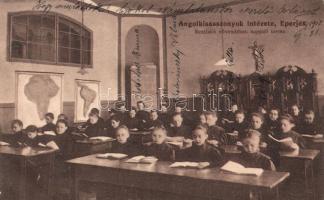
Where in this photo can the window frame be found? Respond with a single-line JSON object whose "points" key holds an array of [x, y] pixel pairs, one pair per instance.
{"points": [[56, 43]]}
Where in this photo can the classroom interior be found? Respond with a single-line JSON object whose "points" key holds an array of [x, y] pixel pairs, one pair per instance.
{"points": [[190, 61]]}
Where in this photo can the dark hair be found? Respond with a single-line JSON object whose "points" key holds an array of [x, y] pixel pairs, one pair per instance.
{"points": [[140, 102], [94, 111], [115, 118], [214, 114], [257, 114], [287, 117], [63, 115], [154, 111], [17, 121], [200, 127], [51, 115], [175, 114], [309, 112], [31, 128], [249, 133], [274, 108], [63, 122], [239, 112]]}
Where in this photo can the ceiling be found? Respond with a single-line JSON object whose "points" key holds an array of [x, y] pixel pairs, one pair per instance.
{"points": [[155, 6]]}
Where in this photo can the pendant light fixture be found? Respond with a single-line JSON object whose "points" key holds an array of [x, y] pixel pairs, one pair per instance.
{"points": [[223, 61], [82, 70]]}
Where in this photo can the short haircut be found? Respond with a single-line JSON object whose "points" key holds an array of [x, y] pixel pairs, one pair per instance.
{"points": [[31, 128], [63, 122], [287, 117], [139, 102], [257, 114], [122, 127], [50, 115], [115, 118], [17, 121], [133, 108], [211, 113], [239, 112], [309, 112], [157, 128], [94, 111], [274, 108], [200, 127], [154, 111], [249, 133], [176, 114], [63, 115]]}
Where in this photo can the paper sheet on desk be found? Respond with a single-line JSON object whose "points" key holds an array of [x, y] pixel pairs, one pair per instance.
{"points": [[317, 136], [199, 165], [112, 155], [286, 141], [4, 143], [49, 133], [101, 138], [142, 159], [237, 168]]}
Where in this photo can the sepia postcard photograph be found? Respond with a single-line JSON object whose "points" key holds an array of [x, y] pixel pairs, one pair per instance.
{"points": [[161, 100]]}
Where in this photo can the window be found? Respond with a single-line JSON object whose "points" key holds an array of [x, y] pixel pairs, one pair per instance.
{"points": [[49, 38]]}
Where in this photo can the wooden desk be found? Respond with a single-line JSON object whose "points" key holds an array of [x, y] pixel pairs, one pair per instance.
{"points": [[208, 183], [39, 156], [89, 146], [301, 166]]}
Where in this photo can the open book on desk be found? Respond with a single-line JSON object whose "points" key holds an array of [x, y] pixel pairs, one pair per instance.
{"points": [[199, 165], [142, 159], [288, 141], [112, 155], [317, 136], [237, 168], [82, 135]]}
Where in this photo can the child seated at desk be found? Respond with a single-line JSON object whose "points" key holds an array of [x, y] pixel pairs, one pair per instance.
{"points": [[142, 115], [178, 130], [63, 139], [50, 126], [287, 124], [216, 134], [153, 121], [201, 151], [251, 155], [272, 123], [308, 126], [158, 147], [122, 143], [257, 123], [115, 122], [95, 124], [132, 122], [201, 119], [15, 138], [32, 139], [240, 125]]}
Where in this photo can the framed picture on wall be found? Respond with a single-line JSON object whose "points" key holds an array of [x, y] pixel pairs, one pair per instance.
{"points": [[38, 93], [87, 96]]}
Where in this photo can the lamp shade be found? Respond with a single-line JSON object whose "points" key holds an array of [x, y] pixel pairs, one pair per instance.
{"points": [[221, 62]]}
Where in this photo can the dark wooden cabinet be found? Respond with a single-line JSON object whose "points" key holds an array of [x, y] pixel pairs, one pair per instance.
{"points": [[289, 85]]}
